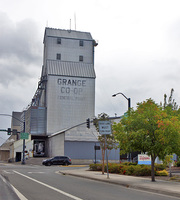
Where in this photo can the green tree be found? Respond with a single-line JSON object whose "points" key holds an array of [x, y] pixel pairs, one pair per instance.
{"points": [[171, 102], [110, 140], [149, 129]]}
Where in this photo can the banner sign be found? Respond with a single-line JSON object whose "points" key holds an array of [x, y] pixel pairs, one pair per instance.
{"points": [[144, 159]]}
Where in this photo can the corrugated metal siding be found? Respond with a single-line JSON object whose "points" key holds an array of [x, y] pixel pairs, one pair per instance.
{"points": [[81, 150], [70, 69], [68, 34], [85, 150], [38, 120]]}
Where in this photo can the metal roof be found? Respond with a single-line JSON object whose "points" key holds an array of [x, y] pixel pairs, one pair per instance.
{"points": [[79, 133], [82, 133], [67, 34], [63, 68]]}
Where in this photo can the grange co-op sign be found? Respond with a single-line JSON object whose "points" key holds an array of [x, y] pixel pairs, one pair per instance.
{"points": [[144, 159]]}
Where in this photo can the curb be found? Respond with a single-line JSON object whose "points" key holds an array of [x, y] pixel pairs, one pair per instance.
{"points": [[164, 192]]}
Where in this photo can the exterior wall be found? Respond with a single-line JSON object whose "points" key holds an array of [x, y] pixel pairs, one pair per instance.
{"points": [[85, 150], [56, 145], [15, 121], [69, 49], [36, 120], [4, 155], [69, 93], [18, 147], [69, 104]]}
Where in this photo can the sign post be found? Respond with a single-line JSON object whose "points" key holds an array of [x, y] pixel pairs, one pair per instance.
{"points": [[105, 129]]}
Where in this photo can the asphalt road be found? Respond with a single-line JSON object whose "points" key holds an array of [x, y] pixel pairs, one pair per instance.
{"points": [[40, 182]]}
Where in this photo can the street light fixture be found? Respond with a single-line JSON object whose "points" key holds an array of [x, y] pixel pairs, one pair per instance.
{"points": [[129, 99], [129, 107]]}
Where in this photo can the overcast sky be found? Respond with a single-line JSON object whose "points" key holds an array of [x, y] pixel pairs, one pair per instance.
{"points": [[138, 52]]}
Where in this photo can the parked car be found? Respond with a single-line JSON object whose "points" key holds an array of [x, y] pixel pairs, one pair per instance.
{"points": [[57, 160]]}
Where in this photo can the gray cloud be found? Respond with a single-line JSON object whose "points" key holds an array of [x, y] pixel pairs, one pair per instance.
{"points": [[20, 64]]}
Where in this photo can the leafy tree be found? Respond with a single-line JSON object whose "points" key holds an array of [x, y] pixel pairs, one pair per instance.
{"points": [[171, 102], [110, 140], [149, 129]]}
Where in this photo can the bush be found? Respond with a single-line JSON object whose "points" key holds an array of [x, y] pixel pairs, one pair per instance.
{"points": [[159, 167], [142, 170], [129, 163], [115, 168], [177, 164], [95, 167], [129, 169], [162, 173]]}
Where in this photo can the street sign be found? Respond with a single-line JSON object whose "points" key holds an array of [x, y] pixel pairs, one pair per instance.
{"points": [[104, 127], [24, 136]]}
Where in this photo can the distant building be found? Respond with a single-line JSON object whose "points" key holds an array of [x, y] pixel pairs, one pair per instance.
{"points": [[65, 98]]}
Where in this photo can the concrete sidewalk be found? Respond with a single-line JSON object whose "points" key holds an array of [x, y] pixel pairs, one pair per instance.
{"points": [[159, 186]]}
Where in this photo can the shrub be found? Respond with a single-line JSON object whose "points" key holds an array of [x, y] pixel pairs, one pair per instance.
{"points": [[162, 173], [115, 168], [129, 163], [128, 169], [95, 167], [177, 164], [159, 167], [142, 170]]}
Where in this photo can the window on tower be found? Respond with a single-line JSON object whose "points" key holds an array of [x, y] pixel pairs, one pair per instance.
{"points": [[81, 43], [81, 58], [58, 40], [58, 56]]}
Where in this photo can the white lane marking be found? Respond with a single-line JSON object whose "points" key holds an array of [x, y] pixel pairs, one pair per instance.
{"points": [[8, 172], [4, 180], [35, 172], [53, 188], [21, 197]]}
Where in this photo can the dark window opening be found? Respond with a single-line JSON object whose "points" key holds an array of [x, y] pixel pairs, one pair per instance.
{"points": [[58, 56], [81, 43], [81, 58], [58, 40]]}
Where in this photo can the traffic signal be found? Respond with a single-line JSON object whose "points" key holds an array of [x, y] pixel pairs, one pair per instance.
{"points": [[9, 131], [14, 131], [95, 122], [88, 123]]}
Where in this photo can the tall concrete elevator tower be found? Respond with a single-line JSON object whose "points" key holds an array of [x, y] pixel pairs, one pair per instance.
{"points": [[68, 78]]}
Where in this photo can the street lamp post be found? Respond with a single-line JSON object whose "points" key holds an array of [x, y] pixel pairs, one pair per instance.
{"points": [[129, 99], [129, 107]]}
